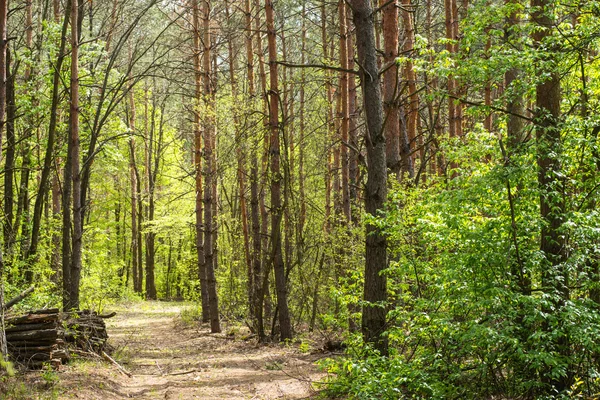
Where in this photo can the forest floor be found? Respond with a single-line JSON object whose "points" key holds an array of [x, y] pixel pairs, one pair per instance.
{"points": [[170, 358]]}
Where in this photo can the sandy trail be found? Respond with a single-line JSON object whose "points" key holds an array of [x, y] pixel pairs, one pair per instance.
{"points": [[171, 361]]}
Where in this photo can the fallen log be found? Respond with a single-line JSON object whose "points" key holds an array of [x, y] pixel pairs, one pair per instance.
{"points": [[31, 319], [32, 335], [18, 298], [28, 327]]}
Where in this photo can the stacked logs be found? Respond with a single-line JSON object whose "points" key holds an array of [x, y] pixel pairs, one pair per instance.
{"points": [[36, 338], [48, 336], [87, 331]]}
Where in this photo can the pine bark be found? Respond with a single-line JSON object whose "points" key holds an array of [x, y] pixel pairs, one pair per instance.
{"points": [[199, 209], [276, 177], [391, 32], [256, 253], [344, 113], [408, 139], [375, 285], [209, 176], [72, 297]]}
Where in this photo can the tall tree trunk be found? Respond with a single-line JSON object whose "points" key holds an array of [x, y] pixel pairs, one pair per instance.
{"points": [[3, 48], [408, 140], [241, 139], [254, 189], [344, 114], [49, 155], [375, 286], [555, 277], [198, 163], [329, 122], [264, 295], [449, 6], [210, 173], [285, 325], [301, 139], [353, 127], [56, 215], [150, 177], [73, 293], [133, 179], [390, 86], [515, 124], [9, 166]]}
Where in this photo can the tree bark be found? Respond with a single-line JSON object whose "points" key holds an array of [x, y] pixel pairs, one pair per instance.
{"points": [[408, 140], [210, 173], [345, 116], [390, 86], [254, 189], [241, 139], [3, 48], [72, 296], [198, 163], [9, 165], [276, 206], [375, 286], [151, 171]]}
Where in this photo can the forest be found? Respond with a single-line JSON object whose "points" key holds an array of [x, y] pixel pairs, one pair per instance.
{"points": [[418, 178]]}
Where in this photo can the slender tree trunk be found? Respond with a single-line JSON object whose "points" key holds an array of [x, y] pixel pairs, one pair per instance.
{"points": [[329, 122], [391, 32], [449, 6], [254, 189], [49, 155], [515, 105], [198, 162], [408, 140], [150, 178], [264, 295], [135, 195], [56, 215], [301, 139], [353, 129], [241, 139], [73, 294], [3, 76], [276, 206], [210, 173], [9, 166], [345, 116], [375, 286]]}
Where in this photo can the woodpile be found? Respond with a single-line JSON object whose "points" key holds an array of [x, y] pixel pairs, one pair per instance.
{"points": [[49, 337], [36, 338], [87, 330]]}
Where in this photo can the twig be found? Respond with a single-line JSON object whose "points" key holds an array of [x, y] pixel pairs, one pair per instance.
{"points": [[318, 66], [191, 371], [116, 364], [159, 368]]}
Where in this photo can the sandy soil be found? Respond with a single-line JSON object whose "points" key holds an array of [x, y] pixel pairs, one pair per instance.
{"points": [[170, 360]]}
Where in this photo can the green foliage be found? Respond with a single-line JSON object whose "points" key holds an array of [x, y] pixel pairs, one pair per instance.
{"points": [[460, 327]]}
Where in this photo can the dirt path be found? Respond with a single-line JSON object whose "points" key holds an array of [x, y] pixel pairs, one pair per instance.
{"points": [[169, 360]]}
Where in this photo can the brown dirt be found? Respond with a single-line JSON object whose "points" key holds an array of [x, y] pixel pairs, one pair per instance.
{"points": [[170, 360]]}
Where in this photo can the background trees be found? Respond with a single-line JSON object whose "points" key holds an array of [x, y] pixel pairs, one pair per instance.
{"points": [[237, 154]]}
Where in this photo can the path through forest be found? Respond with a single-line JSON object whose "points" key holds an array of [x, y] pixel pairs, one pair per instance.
{"points": [[172, 360]]}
